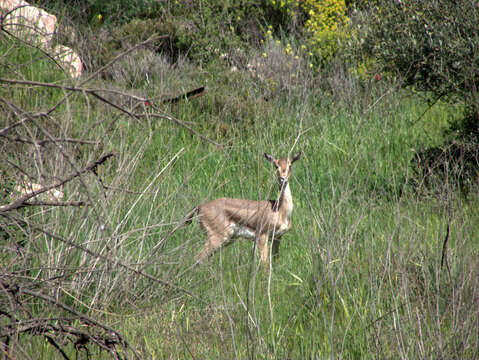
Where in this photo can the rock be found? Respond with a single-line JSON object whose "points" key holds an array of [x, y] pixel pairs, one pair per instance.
{"points": [[37, 27], [28, 22], [26, 188], [69, 60]]}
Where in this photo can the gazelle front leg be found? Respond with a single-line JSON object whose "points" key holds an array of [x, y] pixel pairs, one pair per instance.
{"points": [[263, 249], [275, 249]]}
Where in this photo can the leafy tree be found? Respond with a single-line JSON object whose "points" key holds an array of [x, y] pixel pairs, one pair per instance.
{"points": [[432, 46]]}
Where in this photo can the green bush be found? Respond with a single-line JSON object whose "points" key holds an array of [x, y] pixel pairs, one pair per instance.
{"points": [[429, 45], [94, 12]]}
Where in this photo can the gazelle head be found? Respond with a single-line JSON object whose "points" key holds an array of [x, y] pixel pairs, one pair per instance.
{"points": [[283, 167]]}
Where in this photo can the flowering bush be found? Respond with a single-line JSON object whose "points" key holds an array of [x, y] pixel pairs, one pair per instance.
{"points": [[323, 23], [326, 19]]}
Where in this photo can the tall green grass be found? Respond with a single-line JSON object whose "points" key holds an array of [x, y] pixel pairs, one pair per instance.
{"points": [[359, 275]]}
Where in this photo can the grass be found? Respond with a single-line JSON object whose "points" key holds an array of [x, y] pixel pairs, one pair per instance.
{"points": [[359, 274]]}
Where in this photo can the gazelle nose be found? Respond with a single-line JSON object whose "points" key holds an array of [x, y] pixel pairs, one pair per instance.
{"points": [[282, 180]]}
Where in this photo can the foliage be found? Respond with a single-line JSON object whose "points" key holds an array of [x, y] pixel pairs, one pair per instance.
{"points": [[451, 165], [203, 30], [326, 19], [429, 45], [370, 269], [207, 29], [322, 21], [95, 12]]}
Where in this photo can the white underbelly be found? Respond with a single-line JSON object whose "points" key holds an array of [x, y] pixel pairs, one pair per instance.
{"points": [[242, 231]]}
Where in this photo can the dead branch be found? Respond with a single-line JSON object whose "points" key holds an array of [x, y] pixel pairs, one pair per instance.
{"points": [[118, 107], [107, 340], [188, 95], [181, 123], [94, 92], [56, 203], [444, 250], [106, 66], [114, 262], [20, 202], [54, 140]]}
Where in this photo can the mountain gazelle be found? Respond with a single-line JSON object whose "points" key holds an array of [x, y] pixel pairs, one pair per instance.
{"points": [[226, 219]]}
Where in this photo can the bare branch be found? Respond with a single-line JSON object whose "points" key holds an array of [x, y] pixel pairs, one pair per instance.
{"points": [[55, 203], [54, 140], [188, 95], [181, 123], [20, 202], [115, 262], [106, 66], [81, 316]]}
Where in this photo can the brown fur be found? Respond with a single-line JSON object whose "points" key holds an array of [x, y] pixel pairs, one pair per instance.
{"points": [[225, 219]]}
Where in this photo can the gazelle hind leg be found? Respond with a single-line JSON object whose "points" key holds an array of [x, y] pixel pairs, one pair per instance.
{"points": [[213, 243]]}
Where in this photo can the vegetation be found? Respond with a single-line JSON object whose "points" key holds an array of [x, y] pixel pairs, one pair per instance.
{"points": [[431, 46], [381, 261]]}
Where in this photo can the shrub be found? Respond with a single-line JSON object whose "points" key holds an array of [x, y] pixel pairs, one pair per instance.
{"points": [[324, 25], [322, 22], [211, 28], [453, 165], [429, 45], [93, 12], [281, 69]]}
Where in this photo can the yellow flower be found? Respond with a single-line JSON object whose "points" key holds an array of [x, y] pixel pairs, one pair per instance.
{"points": [[264, 55]]}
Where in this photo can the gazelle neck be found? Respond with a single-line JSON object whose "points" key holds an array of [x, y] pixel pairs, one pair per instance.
{"points": [[285, 201]]}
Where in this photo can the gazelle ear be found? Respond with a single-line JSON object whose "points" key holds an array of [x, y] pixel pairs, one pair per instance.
{"points": [[269, 157], [296, 156]]}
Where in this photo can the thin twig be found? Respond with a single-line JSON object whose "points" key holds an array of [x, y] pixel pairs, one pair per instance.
{"points": [[54, 140], [187, 95], [84, 317], [21, 201], [444, 249], [114, 262], [55, 203], [181, 123]]}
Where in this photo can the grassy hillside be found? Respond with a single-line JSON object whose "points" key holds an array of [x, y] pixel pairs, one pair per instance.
{"points": [[379, 263]]}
